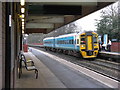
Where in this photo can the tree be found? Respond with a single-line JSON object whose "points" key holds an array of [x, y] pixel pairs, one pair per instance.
{"points": [[109, 22]]}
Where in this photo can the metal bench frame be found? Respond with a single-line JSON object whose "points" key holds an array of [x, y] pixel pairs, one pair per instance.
{"points": [[28, 68]]}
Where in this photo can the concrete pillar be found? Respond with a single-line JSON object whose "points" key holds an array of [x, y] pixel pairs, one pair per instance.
{"points": [[2, 45]]}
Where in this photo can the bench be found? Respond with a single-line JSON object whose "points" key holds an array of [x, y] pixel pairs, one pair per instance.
{"points": [[28, 67]]}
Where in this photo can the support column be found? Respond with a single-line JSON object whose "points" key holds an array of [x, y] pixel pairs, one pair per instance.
{"points": [[2, 45], [8, 48]]}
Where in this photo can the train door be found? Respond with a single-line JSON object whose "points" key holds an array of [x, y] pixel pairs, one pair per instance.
{"points": [[77, 43], [89, 43]]}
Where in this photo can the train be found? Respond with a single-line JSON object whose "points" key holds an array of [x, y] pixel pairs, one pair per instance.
{"points": [[85, 44]]}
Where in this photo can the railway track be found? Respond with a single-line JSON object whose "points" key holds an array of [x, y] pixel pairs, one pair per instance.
{"points": [[102, 68], [108, 68]]}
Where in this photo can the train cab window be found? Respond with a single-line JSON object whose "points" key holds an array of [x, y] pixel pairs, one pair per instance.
{"points": [[82, 35], [95, 39], [82, 40]]}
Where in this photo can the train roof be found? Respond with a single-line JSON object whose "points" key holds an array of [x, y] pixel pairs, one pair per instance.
{"points": [[48, 38], [67, 35]]}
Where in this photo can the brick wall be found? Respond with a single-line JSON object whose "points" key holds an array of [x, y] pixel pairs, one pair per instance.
{"points": [[115, 47]]}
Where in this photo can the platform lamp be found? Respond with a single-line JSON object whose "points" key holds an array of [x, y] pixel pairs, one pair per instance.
{"points": [[22, 10], [23, 27], [22, 2]]}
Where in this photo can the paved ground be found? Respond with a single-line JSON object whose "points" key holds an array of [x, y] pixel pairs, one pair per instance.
{"points": [[70, 77], [46, 79], [53, 74]]}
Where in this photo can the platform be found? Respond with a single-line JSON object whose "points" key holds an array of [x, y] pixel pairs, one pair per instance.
{"points": [[112, 55], [50, 79], [46, 79]]}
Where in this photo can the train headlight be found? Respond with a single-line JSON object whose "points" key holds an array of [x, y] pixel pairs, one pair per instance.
{"points": [[82, 46]]}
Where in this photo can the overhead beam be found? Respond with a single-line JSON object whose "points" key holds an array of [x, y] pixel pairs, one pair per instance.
{"points": [[54, 10], [39, 25], [45, 19], [35, 30], [66, 2]]}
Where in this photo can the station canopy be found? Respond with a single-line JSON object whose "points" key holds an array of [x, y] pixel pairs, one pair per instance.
{"points": [[44, 17]]}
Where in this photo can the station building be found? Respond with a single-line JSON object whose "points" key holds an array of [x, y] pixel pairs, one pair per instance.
{"points": [[14, 23]]}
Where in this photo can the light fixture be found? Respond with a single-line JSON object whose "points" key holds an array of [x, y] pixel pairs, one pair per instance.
{"points": [[23, 23], [22, 10], [22, 31], [23, 20], [22, 2], [22, 16], [26, 35], [23, 28]]}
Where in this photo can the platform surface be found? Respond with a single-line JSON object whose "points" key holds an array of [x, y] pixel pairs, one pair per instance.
{"points": [[111, 53], [46, 79], [49, 77]]}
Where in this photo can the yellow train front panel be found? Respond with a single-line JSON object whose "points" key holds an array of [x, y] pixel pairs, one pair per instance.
{"points": [[89, 45]]}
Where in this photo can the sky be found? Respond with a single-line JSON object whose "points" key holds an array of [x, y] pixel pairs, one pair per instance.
{"points": [[88, 22]]}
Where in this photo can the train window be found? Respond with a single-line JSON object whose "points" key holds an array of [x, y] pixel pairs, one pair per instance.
{"points": [[77, 41], [94, 39], [64, 42], [72, 41], [48, 42], [82, 40], [82, 35], [67, 42]]}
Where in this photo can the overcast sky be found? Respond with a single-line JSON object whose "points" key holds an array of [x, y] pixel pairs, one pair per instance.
{"points": [[88, 22]]}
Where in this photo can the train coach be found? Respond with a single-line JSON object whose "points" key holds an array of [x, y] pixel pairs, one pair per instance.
{"points": [[83, 44]]}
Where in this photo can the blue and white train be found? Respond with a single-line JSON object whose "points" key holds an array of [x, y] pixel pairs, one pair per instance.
{"points": [[84, 44]]}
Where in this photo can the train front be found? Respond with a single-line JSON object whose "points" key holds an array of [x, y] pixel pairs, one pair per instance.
{"points": [[89, 45]]}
